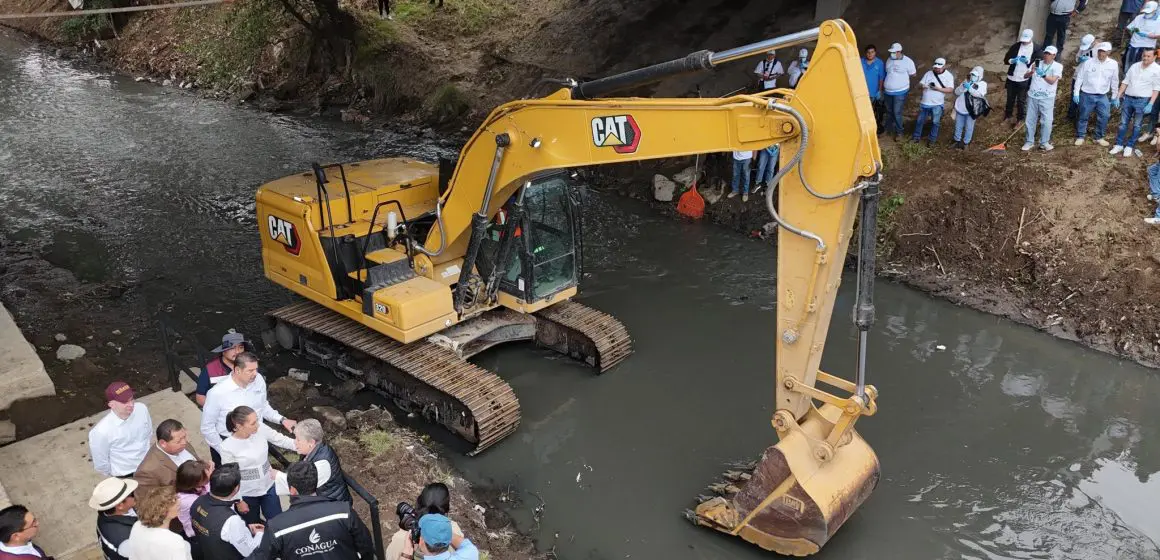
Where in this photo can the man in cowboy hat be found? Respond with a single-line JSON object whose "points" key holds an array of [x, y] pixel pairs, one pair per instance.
{"points": [[114, 501], [233, 343]]}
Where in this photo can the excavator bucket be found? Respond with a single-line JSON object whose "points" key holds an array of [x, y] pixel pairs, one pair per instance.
{"points": [[794, 498]]}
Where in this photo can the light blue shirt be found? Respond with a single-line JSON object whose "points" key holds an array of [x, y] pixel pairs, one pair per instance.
{"points": [[466, 551]]}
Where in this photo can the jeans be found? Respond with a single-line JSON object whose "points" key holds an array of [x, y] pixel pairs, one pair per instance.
{"points": [[964, 127], [894, 103], [1103, 107], [1132, 111], [267, 504], [766, 166], [1040, 109], [934, 113], [1057, 27], [1016, 98], [1154, 185], [741, 173]]}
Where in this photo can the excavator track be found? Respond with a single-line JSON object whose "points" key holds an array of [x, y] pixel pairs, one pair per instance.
{"points": [[585, 334], [467, 399]]}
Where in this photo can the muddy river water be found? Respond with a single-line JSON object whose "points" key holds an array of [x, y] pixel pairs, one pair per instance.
{"points": [[1005, 444]]}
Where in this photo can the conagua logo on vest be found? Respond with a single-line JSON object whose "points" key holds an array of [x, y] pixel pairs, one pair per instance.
{"points": [[314, 538], [620, 132], [283, 232]]}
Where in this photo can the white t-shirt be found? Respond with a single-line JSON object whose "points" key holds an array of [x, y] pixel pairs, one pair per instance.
{"points": [[1025, 51], [771, 70], [930, 97], [795, 72], [743, 155], [1142, 80], [1145, 25], [898, 73], [1039, 88], [979, 89]]}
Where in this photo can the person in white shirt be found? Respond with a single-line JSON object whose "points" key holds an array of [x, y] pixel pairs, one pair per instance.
{"points": [[1045, 76], [249, 447], [1144, 30], [17, 529], [936, 84], [150, 537], [121, 439], [965, 116], [899, 69], [1138, 94], [1087, 49], [798, 67], [1058, 18], [741, 161], [245, 387], [1095, 79], [768, 71], [1019, 59]]}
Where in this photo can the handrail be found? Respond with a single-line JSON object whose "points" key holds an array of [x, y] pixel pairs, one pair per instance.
{"points": [[371, 230], [173, 363]]}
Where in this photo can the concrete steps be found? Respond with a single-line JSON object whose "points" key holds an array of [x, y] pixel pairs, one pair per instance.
{"points": [[22, 374]]}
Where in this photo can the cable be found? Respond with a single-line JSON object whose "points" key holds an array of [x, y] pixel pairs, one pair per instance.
{"points": [[77, 13]]}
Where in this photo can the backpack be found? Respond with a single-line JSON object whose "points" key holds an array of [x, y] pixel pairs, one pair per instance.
{"points": [[977, 107]]}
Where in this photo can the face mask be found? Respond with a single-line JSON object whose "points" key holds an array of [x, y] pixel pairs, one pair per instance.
{"points": [[1084, 57], [896, 56]]}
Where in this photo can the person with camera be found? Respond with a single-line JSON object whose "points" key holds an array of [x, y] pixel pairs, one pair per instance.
{"points": [[435, 498], [314, 527], [436, 541]]}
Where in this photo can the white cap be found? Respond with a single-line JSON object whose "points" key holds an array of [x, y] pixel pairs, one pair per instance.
{"points": [[940, 62], [1104, 46], [896, 47], [977, 72], [1149, 7], [1050, 49], [1026, 36], [772, 52], [1086, 42], [803, 52]]}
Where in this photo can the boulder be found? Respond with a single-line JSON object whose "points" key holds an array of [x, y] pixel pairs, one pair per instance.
{"points": [[299, 374], [7, 432], [663, 188], [332, 420], [284, 391], [346, 390], [686, 177], [712, 194], [166, 83], [69, 352], [373, 418], [60, 337]]}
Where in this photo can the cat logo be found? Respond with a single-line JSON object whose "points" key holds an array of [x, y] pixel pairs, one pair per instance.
{"points": [[283, 232], [617, 131]]}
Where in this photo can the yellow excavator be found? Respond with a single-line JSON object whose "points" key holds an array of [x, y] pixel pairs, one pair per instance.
{"points": [[410, 268]]}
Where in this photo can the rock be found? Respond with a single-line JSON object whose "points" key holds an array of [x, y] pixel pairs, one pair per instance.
{"points": [[312, 393], [167, 83], [299, 374], [686, 177], [7, 432], [768, 229], [60, 337], [187, 85], [345, 391], [353, 115], [116, 332], [332, 419], [494, 519], [140, 79], [370, 419], [712, 194], [284, 390], [69, 352], [663, 188]]}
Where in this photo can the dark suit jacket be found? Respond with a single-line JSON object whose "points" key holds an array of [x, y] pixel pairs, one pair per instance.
{"points": [[157, 470]]}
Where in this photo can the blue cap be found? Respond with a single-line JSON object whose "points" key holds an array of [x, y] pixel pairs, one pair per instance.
{"points": [[435, 529]]}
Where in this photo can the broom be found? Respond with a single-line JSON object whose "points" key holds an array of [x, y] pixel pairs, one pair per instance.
{"points": [[1001, 147]]}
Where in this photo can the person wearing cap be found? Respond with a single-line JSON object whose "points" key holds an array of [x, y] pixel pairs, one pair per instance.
{"points": [[438, 542], [244, 387], [1144, 30], [120, 440], [899, 69], [971, 96], [1019, 59], [1138, 92], [1087, 49], [936, 84], [798, 67], [1044, 76], [114, 500], [220, 531], [314, 527], [159, 467], [1058, 18], [875, 72], [233, 343], [1129, 9], [17, 529], [1094, 80], [768, 71]]}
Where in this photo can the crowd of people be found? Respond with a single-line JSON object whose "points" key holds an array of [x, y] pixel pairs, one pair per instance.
{"points": [[161, 501]]}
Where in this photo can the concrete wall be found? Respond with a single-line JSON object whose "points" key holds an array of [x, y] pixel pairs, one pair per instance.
{"points": [[1035, 18], [830, 9]]}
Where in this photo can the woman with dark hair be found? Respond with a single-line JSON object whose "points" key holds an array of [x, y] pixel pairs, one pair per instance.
{"points": [[248, 446], [435, 498]]}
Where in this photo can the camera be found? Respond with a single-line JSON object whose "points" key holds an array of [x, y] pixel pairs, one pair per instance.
{"points": [[408, 520]]}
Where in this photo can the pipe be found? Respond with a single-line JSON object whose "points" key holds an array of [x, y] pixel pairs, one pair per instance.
{"points": [[867, 255]]}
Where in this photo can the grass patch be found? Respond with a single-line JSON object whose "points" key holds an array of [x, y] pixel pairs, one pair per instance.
{"points": [[887, 207], [82, 28], [446, 104], [231, 41], [437, 474], [914, 150], [378, 442], [468, 17]]}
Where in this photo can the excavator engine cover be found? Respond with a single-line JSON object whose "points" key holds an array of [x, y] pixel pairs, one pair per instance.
{"points": [[794, 499]]}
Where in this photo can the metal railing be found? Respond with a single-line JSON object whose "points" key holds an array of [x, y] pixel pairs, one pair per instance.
{"points": [[173, 340]]}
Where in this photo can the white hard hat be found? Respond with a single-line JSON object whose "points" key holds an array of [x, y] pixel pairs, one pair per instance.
{"points": [[1050, 49], [1086, 42], [803, 52], [1104, 46], [1149, 7], [896, 47], [1026, 36]]}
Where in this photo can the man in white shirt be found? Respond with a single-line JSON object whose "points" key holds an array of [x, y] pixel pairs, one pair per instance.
{"points": [[1044, 76], [1144, 30], [17, 529], [936, 84], [741, 161], [1087, 49], [1059, 18], [1019, 59], [768, 71], [798, 67], [1138, 93], [899, 69], [245, 386], [1095, 79], [121, 439]]}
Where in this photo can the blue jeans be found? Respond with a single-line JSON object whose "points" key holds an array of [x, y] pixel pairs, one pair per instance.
{"points": [[894, 103], [1132, 110], [1154, 185], [741, 173], [1040, 109], [266, 504], [964, 128], [1103, 107], [766, 165], [934, 113]]}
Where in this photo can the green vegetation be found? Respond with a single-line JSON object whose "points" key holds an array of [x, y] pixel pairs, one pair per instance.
{"points": [[468, 16], [886, 222], [83, 27], [915, 150], [446, 104], [230, 42], [378, 442], [439, 475]]}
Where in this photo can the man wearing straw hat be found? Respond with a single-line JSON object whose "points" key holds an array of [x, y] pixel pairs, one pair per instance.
{"points": [[114, 501]]}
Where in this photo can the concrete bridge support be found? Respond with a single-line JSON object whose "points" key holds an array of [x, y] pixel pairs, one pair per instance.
{"points": [[1034, 18], [830, 9]]}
